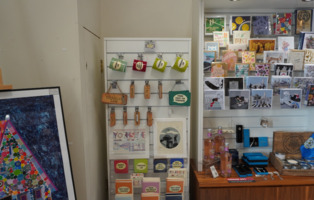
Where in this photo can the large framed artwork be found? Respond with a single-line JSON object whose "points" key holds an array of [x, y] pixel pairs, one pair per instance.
{"points": [[34, 162]]}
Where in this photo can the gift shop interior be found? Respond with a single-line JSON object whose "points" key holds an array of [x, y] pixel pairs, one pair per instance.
{"points": [[157, 100]]}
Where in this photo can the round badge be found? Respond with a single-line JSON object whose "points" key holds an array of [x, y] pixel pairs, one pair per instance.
{"points": [[139, 65]]}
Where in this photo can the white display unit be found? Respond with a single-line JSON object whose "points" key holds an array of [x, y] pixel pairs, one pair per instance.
{"points": [[130, 48], [280, 119]]}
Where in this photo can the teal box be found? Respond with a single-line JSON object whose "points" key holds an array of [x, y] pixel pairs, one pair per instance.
{"points": [[263, 141]]}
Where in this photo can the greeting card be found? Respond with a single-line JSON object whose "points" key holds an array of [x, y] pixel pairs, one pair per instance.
{"points": [[249, 57], [218, 69], [262, 98], [279, 82], [309, 70], [290, 98], [261, 25], [222, 37], [209, 57], [230, 58], [239, 99], [241, 37], [214, 100], [285, 43], [282, 23], [262, 69], [302, 83], [242, 69], [296, 57], [240, 23], [309, 56], [283, 69], [213, 83], [214, 23], [303, 20]]}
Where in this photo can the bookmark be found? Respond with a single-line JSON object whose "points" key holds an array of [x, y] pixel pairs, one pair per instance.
{"points": [[160, 89], [147, 90], [137, 117], [125, 116], [112, 117], [149, 117], [132, 90]]}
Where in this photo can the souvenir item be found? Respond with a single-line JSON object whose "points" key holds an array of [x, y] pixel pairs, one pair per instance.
{"points": [[151, 185], [181, 64], [146, 90], [118, 64], [121, 166], [132, 90], [261, 25], [160, 165], [112, 117], [137, 179], [160, 89], [140, 165], [179, 97], [159, 65], [272, 57], [282, 23], [214, 23], [114, 98], [125, 116], [149, 117], [137, 117], [303, 20], [139, 65]]}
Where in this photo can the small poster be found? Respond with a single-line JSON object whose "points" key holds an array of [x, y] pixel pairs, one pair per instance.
{"points": [[261, 25], [222, 37], [170, 137], [303, 20], [214, 23]]}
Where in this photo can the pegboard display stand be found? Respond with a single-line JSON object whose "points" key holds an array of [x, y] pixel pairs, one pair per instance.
{"points": [[130, 49]]}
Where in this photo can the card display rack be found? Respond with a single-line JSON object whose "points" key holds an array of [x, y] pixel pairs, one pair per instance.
{"points": [[147, 49]]}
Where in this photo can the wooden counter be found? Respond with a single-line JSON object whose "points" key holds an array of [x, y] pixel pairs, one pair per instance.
{"points": [[290, 188]]}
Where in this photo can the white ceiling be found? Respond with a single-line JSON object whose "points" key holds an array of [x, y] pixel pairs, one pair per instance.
{"points": [[212, 5]]}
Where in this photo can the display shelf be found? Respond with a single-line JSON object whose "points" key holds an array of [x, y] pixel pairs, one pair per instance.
{"points": [[130, 49]]}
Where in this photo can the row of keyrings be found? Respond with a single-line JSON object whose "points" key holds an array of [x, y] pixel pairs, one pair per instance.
{"points": [[137, 115], [118, 64]]}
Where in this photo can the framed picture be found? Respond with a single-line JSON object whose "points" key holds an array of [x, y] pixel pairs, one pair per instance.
{"points": [[261, 45], [262, 98], [222, 37], [214, 100], [296, 57], [212, 46], [34, 148], [209, 57], [239, 99], [303, 20], [282, 23], [261, 25], [285, 44], [170, 137], [240, 23], [214, 23], [233, 83]]}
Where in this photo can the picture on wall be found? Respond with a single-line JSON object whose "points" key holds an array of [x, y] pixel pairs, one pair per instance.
{"points": [[261, 25], [214, 23], [34, 151], [240, 23], [290, 98], [239, 99], [303, 20], [170, 137], [262, 98], [214, 100]]}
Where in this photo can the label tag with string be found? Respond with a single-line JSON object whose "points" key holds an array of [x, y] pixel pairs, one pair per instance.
{"points": [[137, 117], [149, 117], [132, 90], [179, 97], [125, 116], [147, 90], [112, 117]]}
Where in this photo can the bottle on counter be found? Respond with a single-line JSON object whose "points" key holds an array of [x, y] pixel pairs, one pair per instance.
{"points": [[225, 162], [209, 152], [219, 141]]}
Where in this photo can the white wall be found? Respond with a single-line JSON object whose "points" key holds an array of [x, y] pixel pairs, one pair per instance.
{"points": [[39, 47]]}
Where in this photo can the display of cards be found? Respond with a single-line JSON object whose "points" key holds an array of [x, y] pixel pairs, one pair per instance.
{"points": [[241, 37], [214, 100], [209, 57], [213, 83], [285, 43], [214, 23], [249, 57], [256, 82], [309, 97], [239, 99], [262, 69], [212, 46], [309, 70], [177, 172], [240, 23], [242, 69], [296, 57], [272, 57], [309, 56], [303, 20], [230, 58], [261, 45], [222, 37], [262, 99], [219, 69], [282, 23], [302, 83], [261, 25], [283, 69], [279, 82], [233, 83], [290, 98]]}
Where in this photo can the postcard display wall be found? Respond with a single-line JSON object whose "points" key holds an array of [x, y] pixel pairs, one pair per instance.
{"points": [[278, 111], [147, 132]]}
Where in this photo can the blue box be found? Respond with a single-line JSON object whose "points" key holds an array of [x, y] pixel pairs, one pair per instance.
{"points": [[246, 137]]}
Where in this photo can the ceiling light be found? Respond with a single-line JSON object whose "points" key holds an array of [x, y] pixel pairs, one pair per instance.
{"points": [[307, 0]]}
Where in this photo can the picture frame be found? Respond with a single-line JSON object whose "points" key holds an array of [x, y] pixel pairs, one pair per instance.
{"points": [[170, 135], [214, 23], [212, 46], [303, 20], [33, 120], [261, 45]]}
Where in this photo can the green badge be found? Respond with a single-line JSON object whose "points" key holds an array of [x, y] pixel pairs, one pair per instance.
{"points": [[118, 65], [159, 65], [180, 98]]}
